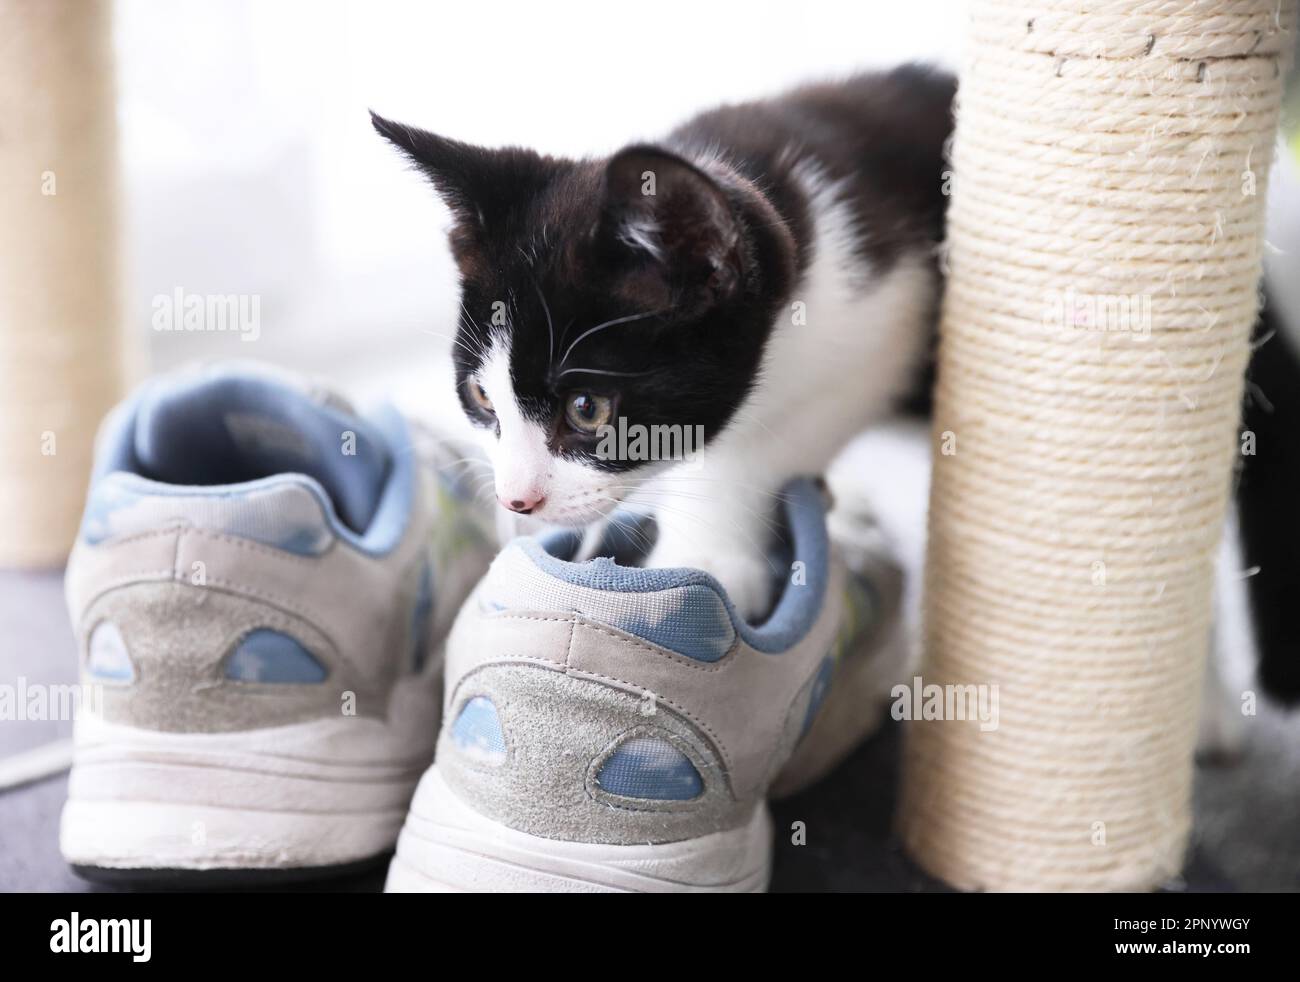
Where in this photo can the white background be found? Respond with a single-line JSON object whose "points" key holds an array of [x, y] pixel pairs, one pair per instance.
{"points": [[251, 167]]}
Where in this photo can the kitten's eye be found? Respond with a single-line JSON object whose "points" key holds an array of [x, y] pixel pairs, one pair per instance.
{"points": [[479, 397], [587, 412]]}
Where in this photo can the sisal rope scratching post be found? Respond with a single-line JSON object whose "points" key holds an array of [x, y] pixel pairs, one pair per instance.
{"points": [[60, 346], [1105, 234]]}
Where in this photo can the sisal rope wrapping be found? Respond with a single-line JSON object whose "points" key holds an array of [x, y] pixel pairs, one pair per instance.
{"points": [[1100, 148], [61, 350]]}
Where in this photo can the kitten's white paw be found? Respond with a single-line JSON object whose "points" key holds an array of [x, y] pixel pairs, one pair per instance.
{"points": [[1221, 733], [747, 578], [1221, 738]]}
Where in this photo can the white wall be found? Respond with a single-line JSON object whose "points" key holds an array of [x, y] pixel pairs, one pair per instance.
{"points": [[251, 167]]}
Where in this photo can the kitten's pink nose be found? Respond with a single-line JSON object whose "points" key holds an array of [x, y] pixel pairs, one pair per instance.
{"points": [[525, 505]]}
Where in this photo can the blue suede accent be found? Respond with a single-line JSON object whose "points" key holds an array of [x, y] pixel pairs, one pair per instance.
{"points": [[102, 500], [107, 657], [651, 768], [300, 542], [121, 491], [795, 612], [265, 655], [478, 727], [820, 690]]}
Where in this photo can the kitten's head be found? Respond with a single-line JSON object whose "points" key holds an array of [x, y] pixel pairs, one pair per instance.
{"points": [[600, 297]]}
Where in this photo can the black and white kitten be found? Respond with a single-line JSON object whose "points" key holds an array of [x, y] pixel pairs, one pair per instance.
{"points": [[764, 276]]}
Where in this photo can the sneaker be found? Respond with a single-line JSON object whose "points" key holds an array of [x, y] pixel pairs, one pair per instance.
{"points": [[608, 727], [259, 590]]}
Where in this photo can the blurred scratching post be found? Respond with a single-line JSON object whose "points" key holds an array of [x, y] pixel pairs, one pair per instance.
{"points": [[60, 340], [1110, 168]]}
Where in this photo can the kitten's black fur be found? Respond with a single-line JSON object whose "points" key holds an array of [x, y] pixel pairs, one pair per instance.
{"points": [[549, 239], [1268, 500]]}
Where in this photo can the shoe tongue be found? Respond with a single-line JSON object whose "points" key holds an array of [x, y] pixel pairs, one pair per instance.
{"points": [[229, 428]]}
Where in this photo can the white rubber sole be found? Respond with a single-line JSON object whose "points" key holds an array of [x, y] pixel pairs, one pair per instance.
{"points": [[153, 836], [329, 792], [448, 846]]}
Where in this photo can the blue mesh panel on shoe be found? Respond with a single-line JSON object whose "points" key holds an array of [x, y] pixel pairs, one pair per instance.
{"points": [[269, 656], [478, 728], [107, 657], [691, 621], [649, 767]]}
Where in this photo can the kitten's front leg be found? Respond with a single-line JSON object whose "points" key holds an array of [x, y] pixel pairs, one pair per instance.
{"points": [[722, 529]]}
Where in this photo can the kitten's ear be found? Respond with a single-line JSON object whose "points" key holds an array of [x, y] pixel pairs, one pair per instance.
{"points": [[480, 185], [675, 229], [451, 166]]}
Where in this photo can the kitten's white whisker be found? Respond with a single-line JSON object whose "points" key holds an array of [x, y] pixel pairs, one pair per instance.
{"points": [[469, 462], [601, 371], [468, 350], [550, 325], [656, 486], [632, 530], [564, 334], [764, 519], [478, 342], [609, 323], [735, 526], [485, 488]]}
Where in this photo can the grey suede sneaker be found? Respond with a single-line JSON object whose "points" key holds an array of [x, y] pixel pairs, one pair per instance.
{"points": [[616, 728], [259, 592]]}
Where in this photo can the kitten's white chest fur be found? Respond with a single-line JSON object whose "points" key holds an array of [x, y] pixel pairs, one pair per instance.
{"points": [[839, 356]]}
